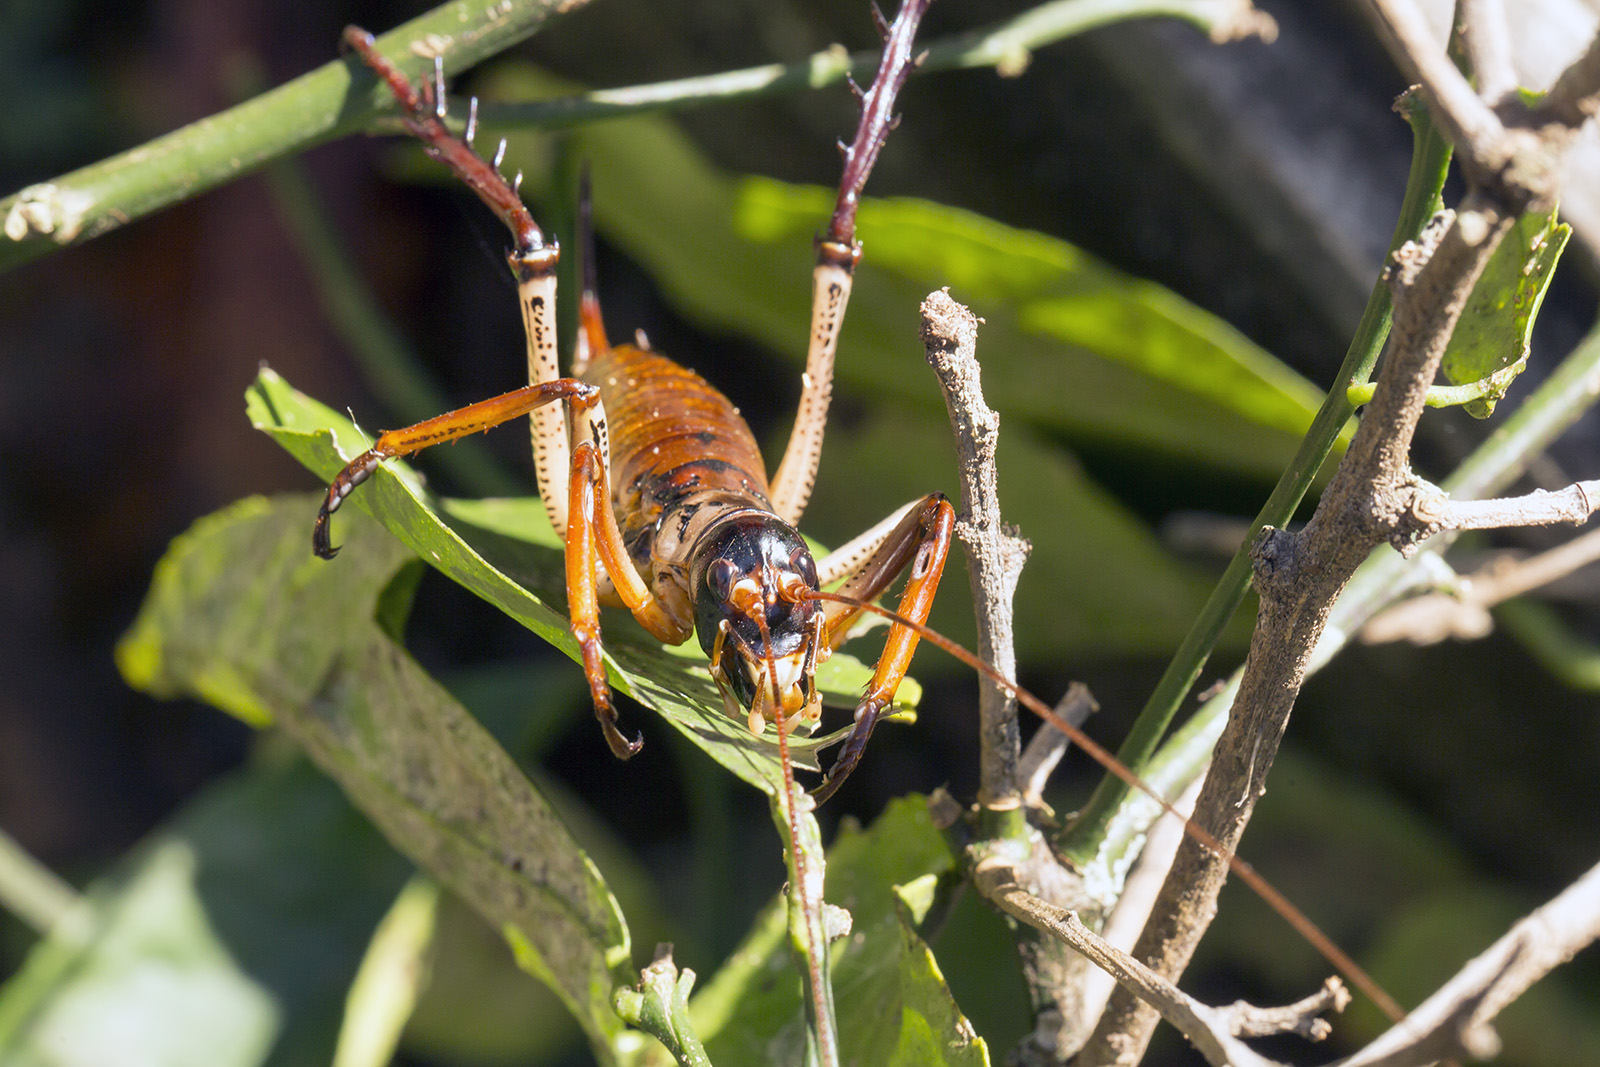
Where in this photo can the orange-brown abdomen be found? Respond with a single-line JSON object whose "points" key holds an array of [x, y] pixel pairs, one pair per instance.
{"points": [[672, 434]]}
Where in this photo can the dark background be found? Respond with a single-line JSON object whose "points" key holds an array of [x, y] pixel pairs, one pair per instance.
{"points": [[123, 364]]}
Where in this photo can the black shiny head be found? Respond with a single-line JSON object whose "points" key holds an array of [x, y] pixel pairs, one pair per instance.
{"points": [[754, 566]]}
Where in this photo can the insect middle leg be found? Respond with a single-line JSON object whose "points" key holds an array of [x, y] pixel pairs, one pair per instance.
{"points": [[920, 541]]}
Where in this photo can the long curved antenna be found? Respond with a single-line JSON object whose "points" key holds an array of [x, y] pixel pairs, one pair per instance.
{"points": [[1302, 925]]}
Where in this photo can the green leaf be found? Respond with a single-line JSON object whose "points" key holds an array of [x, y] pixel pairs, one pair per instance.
{"points": [[1490, 343], [1068, 344], [891, 999], [226, 940], [506, 553], [299, 639]]}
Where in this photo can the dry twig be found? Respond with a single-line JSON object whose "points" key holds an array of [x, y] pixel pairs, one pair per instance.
{"points": [[995, 554], [1216, 1032], [1455, 1020]]}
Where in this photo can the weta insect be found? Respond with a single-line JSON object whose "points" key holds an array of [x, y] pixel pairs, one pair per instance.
{"points": [[659, 490], [655, 482]]}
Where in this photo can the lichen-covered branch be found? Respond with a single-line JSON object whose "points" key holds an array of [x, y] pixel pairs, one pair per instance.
{"points": [[995, 554]]}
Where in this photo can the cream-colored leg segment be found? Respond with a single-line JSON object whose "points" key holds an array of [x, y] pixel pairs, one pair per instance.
{"points": [[851, 556], [830, 294], [536, 286]]}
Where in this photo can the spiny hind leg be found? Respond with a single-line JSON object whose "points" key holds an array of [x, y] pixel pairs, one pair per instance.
{"points": [[838, 252], [533, 258], [919, 543]]}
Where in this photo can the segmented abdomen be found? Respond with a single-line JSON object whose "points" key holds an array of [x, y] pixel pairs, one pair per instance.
{"points": [[672, 434]]}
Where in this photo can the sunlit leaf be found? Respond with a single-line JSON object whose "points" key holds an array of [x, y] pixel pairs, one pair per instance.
{"points": [[1490, 343], [391, 979], [302, 640], [892, 1002]]}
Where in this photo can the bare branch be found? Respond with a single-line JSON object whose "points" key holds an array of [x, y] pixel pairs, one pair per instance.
{"points": [[1299, 576], [1454, 1021], [1465, 118], [1507, 577], [1572, 505], [995, 554], [1139, 894], [1211, 1030], [1048, 744], [1575, 97]]}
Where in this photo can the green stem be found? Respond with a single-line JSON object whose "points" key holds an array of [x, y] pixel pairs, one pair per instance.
{"points": [[660, 1007], [321, 106], [808, 934], [388, 362], [1430, 160], [1542, 632], [1439, 396], [30, 890], [337, 98], [1006, 46]]}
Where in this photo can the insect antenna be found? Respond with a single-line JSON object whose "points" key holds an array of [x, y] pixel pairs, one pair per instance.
{"points": [[1336, 957]]}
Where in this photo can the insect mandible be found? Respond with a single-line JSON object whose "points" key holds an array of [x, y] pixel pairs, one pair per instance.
{"points": [[656, 484]]}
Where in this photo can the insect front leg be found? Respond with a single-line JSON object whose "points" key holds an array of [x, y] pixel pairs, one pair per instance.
{"points": [[451, 426], [594, 547], [920, 541]]}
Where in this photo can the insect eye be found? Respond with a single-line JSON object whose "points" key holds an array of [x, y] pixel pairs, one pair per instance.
{"points": [[720, 577], [800, 563]]}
